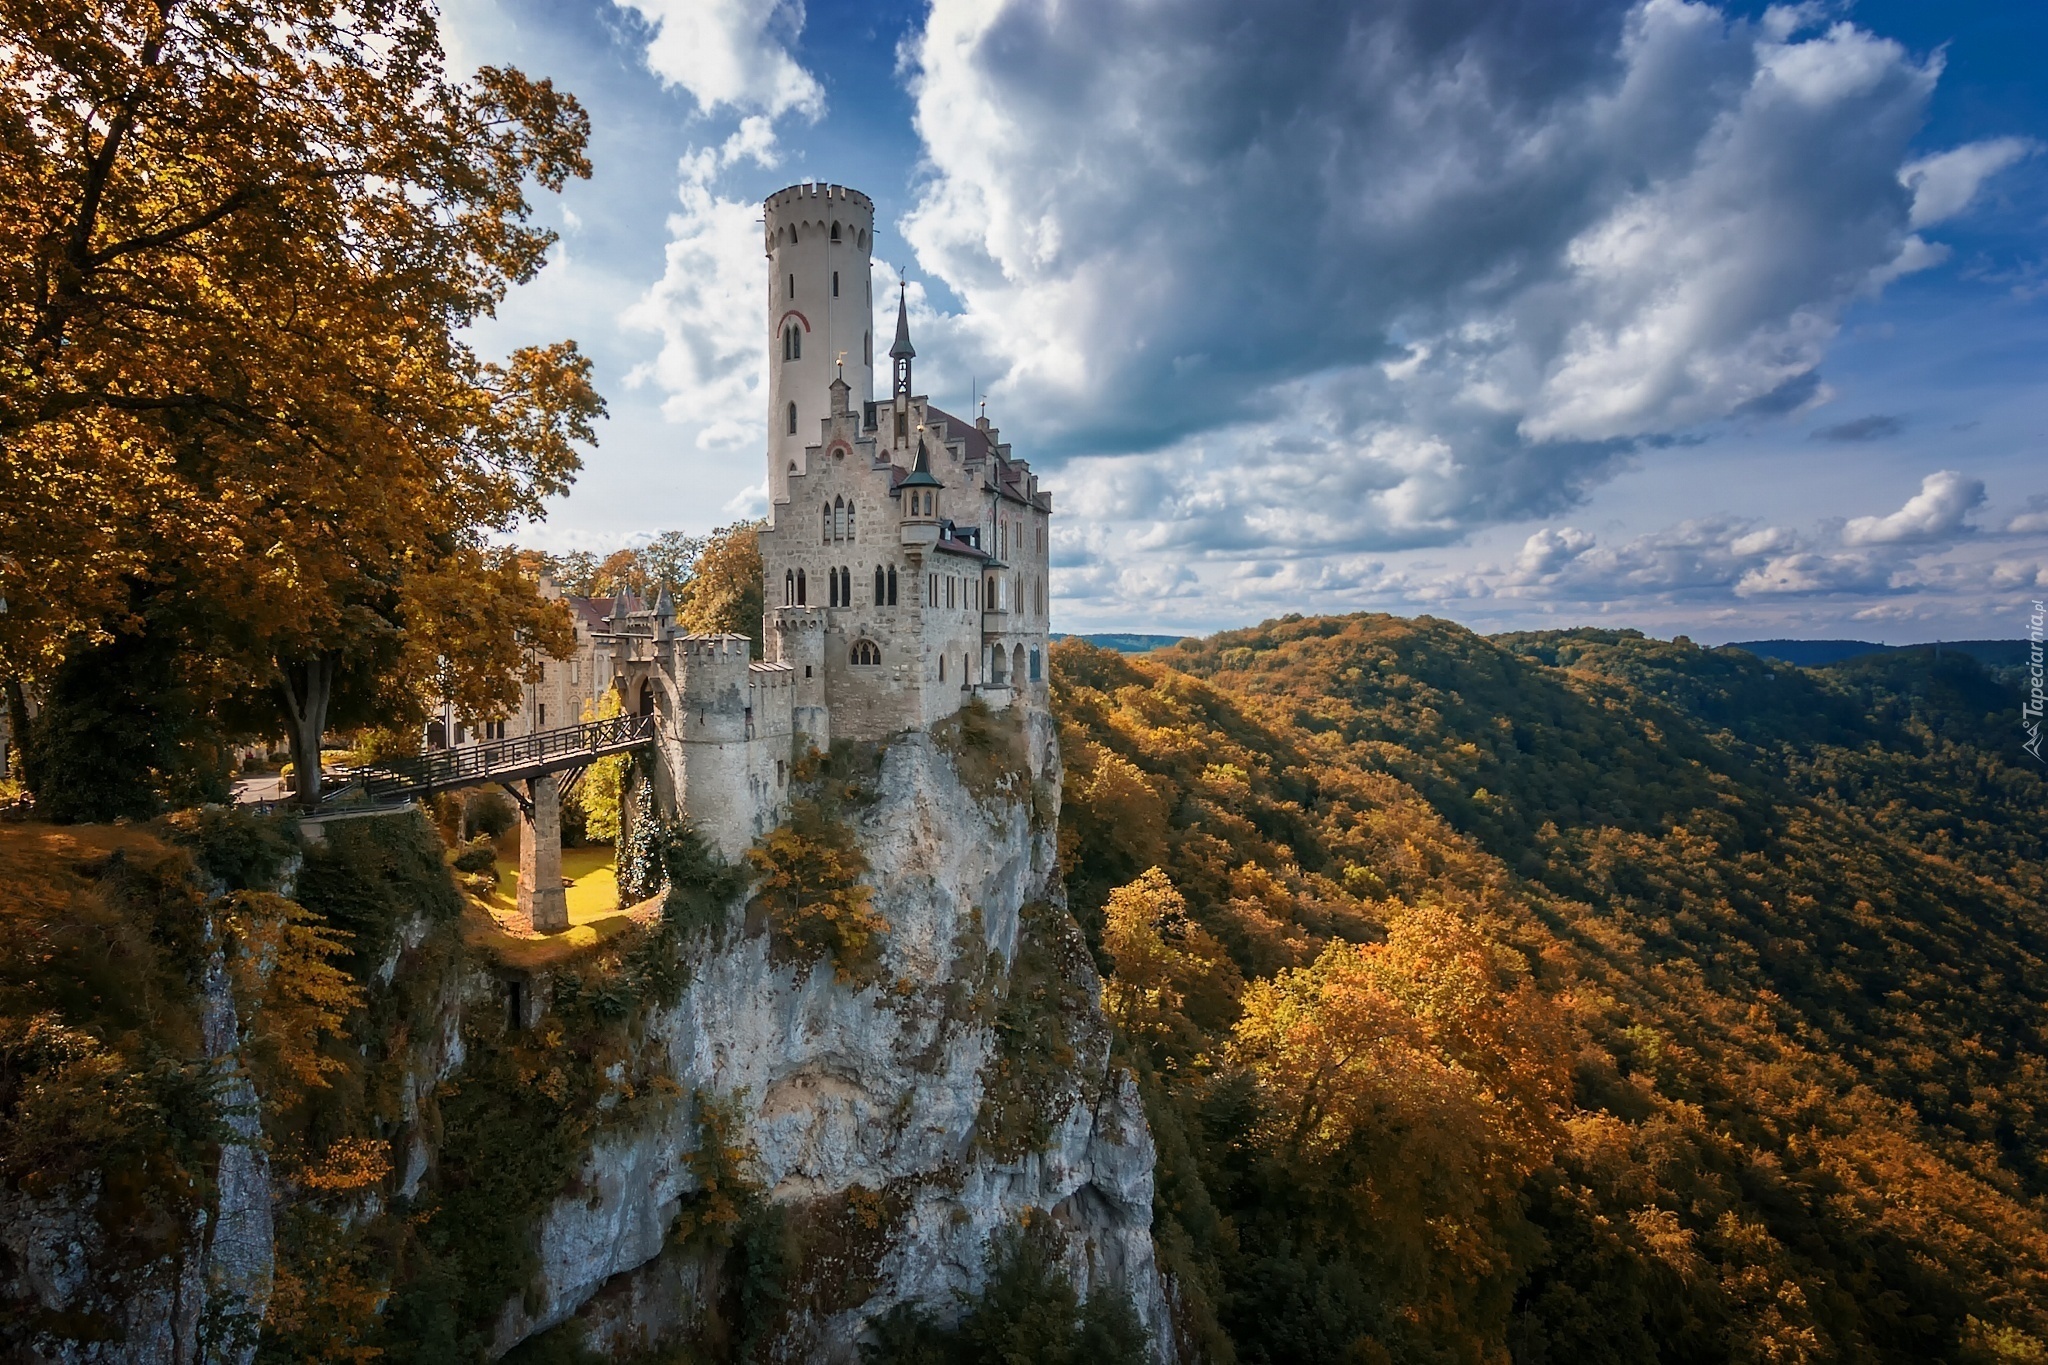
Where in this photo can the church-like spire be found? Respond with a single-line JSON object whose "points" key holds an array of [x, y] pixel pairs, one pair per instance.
{"points": [[902, 350]]}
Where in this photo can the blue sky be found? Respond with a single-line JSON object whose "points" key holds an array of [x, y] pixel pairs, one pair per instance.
{"points": [[1716, 319]]}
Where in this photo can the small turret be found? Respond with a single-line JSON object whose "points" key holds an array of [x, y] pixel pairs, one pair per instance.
{"points": [[919, 492]]}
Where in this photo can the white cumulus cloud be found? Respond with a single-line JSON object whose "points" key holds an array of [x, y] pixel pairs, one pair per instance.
{"points": [[1358, 278], [732, 53], [1946, 183], [1937, 512]]}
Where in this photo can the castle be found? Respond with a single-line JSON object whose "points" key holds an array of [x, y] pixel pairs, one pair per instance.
{"points": [[904, 559]]}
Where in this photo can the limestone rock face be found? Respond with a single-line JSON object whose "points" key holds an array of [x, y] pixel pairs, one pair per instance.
{"points": [[204, 1304], [881, 1094]]}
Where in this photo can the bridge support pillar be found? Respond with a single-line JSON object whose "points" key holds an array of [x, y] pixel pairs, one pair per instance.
{"points": [[541, 897]]}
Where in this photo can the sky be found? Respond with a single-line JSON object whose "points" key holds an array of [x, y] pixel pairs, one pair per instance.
{"points": [[1724, 320]]}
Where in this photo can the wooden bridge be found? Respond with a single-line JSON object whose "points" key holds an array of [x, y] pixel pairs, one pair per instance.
{"points": [[536, 769], [570, 750]]}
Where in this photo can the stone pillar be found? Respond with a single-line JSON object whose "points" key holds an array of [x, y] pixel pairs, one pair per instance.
{"points": [[541, 897]]}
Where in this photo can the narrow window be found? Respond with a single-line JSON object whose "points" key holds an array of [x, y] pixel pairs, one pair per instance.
{"points": [[942, 668], [849, 521], [543, 715], [845, 586], [800, 589], [1034, 665], [902, 426], [835, 234], [835, 284], [892, 585], [867, 348], [789, 588], [792, 419], [796, 342], [931, 590], [827, 535], [792, 286], [832, 590], [881, 586]]}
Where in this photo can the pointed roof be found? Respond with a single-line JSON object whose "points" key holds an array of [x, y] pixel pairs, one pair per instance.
{"points": [[664, 605], [921, 475], [902, 349]]}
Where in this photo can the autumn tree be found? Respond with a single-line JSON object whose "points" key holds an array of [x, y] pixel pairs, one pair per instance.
{"points": [[723, 594], [807, 880], [1167, 972], [242, 242]]}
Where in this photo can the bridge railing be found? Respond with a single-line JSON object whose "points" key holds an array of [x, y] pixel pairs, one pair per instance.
{"points": [[499, 759]]}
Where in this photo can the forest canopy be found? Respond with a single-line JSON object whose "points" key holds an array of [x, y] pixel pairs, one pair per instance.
{"points": [[1571, 996]]}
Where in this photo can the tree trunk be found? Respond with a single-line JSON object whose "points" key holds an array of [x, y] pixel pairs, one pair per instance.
{"points": [[305, 688], [17, 735]]}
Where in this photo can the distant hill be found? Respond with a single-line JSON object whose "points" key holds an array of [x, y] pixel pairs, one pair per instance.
{"points": [[1127, 644], [1820, 653]]}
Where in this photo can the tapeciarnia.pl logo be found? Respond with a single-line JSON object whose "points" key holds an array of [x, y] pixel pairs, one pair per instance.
{"points": [[2030, 710]]}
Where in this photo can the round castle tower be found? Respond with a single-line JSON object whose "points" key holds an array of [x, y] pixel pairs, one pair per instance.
{"points": [[820, 308]]}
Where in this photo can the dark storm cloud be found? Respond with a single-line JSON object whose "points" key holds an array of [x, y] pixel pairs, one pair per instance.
{"points": [[1364, 277], [1875, 427]]}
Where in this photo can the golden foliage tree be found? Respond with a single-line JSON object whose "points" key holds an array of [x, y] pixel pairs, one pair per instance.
{"points": [[1164, 968], [241, 242], [807, 880], [723, 593]]}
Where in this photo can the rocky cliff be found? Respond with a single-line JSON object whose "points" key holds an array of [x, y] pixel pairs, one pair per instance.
{"points": [[682, 1136], [878, 1107]]}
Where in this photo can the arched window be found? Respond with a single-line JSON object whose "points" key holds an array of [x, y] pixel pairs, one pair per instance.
{"points": [[793, 342], [835, 232], [792, 419], [863, 237], [845, 586], [800, 590], [835, 284], [839, 518], [1034, 664], [881, 586], [789, 588], [1017, 668], [892, 585], [1038, 589], [827, 536], [866, 653], [832, 590], [850, 535]]}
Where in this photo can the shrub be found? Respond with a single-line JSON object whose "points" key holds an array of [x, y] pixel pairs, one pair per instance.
{"points": [[808, 872], [478, 855], [491, 814], [242, 849]]}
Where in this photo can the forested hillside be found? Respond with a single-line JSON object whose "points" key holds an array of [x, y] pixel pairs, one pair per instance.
{"points": [[1573, 995]]}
